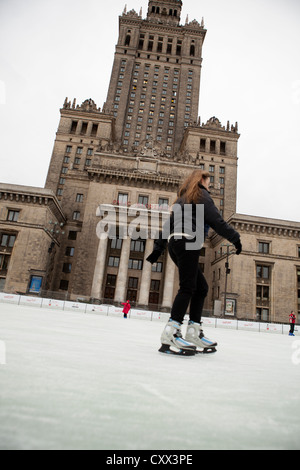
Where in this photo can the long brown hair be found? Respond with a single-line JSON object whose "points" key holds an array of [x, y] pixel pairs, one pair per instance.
{"points": [[190, 190]]}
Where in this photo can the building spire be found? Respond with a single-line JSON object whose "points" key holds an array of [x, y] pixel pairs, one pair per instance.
{"points": [[165, 11]]}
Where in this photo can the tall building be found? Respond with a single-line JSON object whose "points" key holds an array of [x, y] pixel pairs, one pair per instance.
{"points": [[155, 81], [138, 149]]}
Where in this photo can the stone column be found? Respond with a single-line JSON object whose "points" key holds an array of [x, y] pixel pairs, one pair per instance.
{"points": [[169, 284], [123, 271], [99, 271], [146, 276]]}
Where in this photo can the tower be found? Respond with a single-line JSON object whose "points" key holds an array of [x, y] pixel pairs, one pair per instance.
{"points": [[165, 11], [137, 149], [155, 81]]}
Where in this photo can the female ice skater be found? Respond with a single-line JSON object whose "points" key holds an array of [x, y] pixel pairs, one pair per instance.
{"points": [[193, 286]]}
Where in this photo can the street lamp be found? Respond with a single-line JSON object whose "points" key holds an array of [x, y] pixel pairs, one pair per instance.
{"points": [[227, 271]]}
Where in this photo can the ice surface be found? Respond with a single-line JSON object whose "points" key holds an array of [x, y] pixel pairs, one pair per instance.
{"points": [[86, 381]]}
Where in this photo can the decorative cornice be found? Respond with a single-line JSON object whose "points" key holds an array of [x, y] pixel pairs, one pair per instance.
{"points": [[106, 174], [31, 195]]}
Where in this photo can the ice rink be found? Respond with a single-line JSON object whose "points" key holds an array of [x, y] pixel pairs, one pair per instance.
{"points": [[87, 381]]}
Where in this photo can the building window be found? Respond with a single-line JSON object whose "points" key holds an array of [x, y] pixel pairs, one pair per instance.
{"points": [[72, 235], [76, 215], [212, 146], [4, 263], [262, 292], [73, 127], [122, 199], [262, 272], [138, 246], [154, 293], [264, 247], [94, 130], [163, 203], [84, 128], [223, 148], [67, 267], [116, 244], [110, 287], [68, 149], [202, 145], [144, 200], [70, 250], [13, 216], [262, 314], [64, 285], [2, 284], [113, 261], [136, 264], [133, 282], [155, 286], [157, 267], [7, 240]]}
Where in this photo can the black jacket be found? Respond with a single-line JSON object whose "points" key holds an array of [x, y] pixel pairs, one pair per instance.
{"points": [[212, 218]]}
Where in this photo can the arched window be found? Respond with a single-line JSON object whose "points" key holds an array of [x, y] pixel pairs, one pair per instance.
{"points": [[127, 40]]}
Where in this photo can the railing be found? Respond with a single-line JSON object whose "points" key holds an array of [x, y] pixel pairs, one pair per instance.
{"points": [[150, 315]]}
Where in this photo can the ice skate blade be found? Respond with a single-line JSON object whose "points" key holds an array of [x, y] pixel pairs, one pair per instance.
{"points": [[207, 351], [165, 349]]}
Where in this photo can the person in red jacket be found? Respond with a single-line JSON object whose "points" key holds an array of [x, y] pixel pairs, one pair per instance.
{"points": [[126, 308], [292, 318]]}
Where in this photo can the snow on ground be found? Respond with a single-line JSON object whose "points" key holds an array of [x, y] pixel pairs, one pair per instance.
{"points": [[85, 381]]}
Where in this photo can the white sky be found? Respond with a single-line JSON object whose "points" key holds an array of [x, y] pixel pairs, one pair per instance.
{"points": [[50, 49]]}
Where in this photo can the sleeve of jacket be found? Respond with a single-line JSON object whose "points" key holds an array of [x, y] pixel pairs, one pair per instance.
{"points": [[214, 219], [160, 244]]}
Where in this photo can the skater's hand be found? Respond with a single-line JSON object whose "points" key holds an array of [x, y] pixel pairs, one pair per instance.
{"points": [[238, 247], [154, 256]]}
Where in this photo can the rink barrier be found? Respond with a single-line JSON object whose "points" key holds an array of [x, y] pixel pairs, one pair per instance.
{"points": [[110, 310]]}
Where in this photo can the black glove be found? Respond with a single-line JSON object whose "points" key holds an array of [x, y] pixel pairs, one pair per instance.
{"points": [[238, 246], [154, 256]]}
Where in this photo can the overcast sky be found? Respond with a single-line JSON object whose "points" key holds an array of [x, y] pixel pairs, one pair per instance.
{"points": [[50, 49]]}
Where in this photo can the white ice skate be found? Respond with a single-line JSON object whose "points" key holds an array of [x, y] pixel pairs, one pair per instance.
{"points": [[195, 335], [173, 342]]}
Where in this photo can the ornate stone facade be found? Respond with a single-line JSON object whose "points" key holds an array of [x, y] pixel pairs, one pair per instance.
{"points": [[138, 149], [31, 226]]}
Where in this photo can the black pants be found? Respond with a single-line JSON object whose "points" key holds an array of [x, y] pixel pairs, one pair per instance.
{"points": [[193, 286], [292, 328]]}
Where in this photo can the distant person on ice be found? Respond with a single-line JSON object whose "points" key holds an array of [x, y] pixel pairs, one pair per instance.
{"points": [[193, 286], [292, 318], [126, 308]]}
